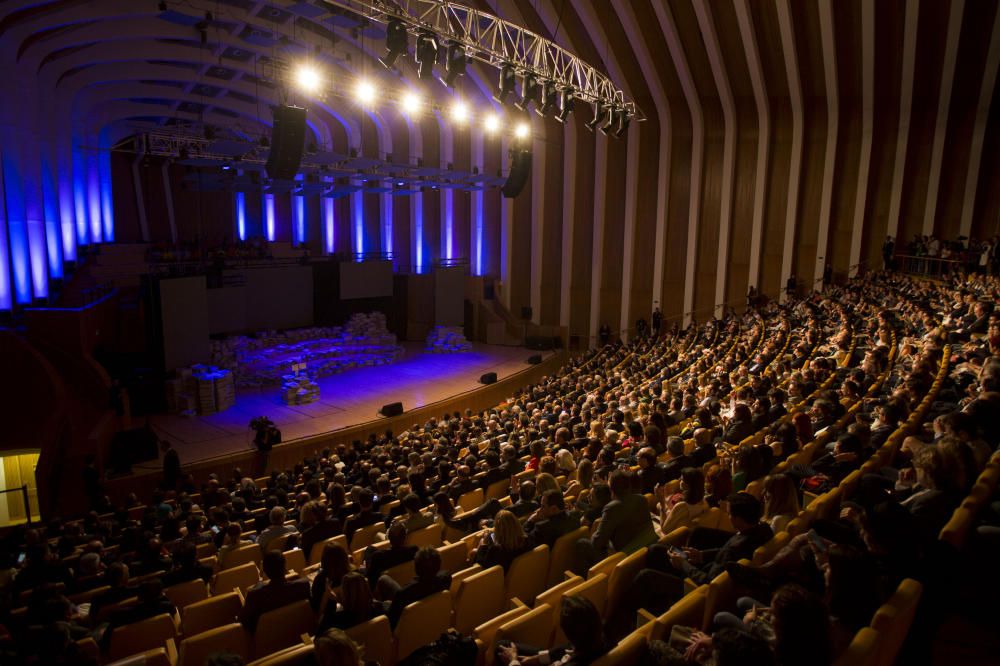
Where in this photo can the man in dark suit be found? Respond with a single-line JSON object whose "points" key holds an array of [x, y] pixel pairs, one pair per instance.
{"points": [[677, 460], [377, 560], [525, 504], [321, 527], [650, 474], [494, 472], [625, 524], [187, 567], [551, 521], [429, 580], [275, 593], [363, 518], [510, 464]]}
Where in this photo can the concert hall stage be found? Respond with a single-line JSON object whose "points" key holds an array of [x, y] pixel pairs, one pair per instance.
{"points": [[346, 399]]}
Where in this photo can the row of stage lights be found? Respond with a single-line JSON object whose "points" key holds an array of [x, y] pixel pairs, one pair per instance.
{"points": [[544, 94], [310, 80]]}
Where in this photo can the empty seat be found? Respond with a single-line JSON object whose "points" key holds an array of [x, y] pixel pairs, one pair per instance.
{"points": [[241, 556], [477, 598], [606, 566], [471, 500], [526, 576], [141, 636], [282, 627], [194, 650], [422, 622], [295, 560], [622, 576], [427, 536], [562, 555], [185, 594], [532, 628], [595, 589], [454, 556], [242, 577], [365, 536], [213, 612], [498, 489], [376, 637]]}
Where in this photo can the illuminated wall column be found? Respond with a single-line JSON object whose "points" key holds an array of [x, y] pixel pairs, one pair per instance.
{"points": [[752, 53], [79, 176], [62, 160], [506, 232], [795, 171], [240, 204], [827, 37], [93, 183], [269, 217], [326, 206], [416, 201], [476, 208], [538, 221], [50, 200], [447, 194], [666, 20], [979, 133], [599, 219], [944, 105], [104, 176], [19, 288], [298, 217], [867, 132], [6, 287], [910, 20], [30, 171]]}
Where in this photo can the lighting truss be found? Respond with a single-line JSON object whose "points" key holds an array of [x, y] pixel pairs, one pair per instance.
{"points": [[496, 42]]}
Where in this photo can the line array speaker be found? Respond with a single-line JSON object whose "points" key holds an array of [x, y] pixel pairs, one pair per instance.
{"points": [[520, 169], [288, 135]]}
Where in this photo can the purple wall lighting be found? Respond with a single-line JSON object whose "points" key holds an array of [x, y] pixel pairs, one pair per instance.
{"points": [[299, 219], [241, 215], [328, 225], [269, 216]]}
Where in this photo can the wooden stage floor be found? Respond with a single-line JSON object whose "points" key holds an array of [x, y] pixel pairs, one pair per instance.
{"points": [[346, 399]]}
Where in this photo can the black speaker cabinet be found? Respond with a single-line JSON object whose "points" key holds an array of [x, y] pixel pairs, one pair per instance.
{"points": [[287, 141], [535, 360], [488, 378], [392, 409], [520, 169]]}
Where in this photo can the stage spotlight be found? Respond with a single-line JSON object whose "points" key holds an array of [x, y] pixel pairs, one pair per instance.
{"points": [[459, 111], [529, 91], [522, 131], [623, 122], [548, 99], [565, 105], [454, 65], [599, 113], [506, 86], [308, 78], [397, 43], [411, 103], [608, 121], [364, 93], [491, 123], [426, 54]]}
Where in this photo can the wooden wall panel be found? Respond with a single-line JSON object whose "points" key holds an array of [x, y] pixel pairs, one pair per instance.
{"points": [[552, 242], [743, 201]]}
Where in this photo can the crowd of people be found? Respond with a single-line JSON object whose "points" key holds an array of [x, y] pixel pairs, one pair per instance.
{"points": [[633, 441]]}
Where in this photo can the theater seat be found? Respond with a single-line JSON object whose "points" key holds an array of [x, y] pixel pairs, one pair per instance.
{"points": [[478, 598], [299, 655], [421, 623], [317, 548], [595, 589], [688, 611], [471, 500], [401, 573], [213, 612], [454, 556], [365, 536], [485, 634], [532, 628], [526, 576], [241, 556], [295, 560], [376, 637], [863, 650], [622, 576], [195, 650], [242, 577], [893, 619], [627, 653], [282, 627], [427, 536], [157, 657], [141, 636], [562, 555], [185, 594]]}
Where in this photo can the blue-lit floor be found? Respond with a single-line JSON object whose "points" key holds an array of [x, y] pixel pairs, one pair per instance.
{"points": [[346, 399]]}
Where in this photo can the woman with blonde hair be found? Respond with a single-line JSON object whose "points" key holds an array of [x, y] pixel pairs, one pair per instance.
{"points": [[781, 501], [545, 482], [505, 542], [356, 605], [335, 648]]}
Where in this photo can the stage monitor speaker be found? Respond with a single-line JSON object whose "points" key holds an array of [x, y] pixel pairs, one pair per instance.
{"points": [[392, 409], [129, 447], [488, 378], [535, 360], [520, 169], [288, 137]]}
